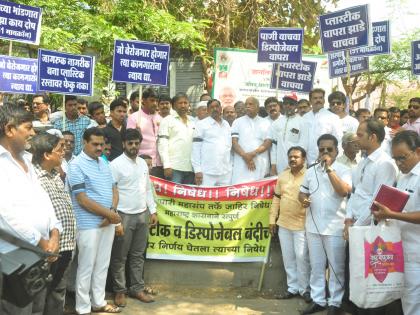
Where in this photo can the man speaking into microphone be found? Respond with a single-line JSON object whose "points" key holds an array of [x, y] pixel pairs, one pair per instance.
{"points": [[324, 192]]}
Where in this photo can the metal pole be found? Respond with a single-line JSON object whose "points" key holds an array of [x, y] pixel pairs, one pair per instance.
{"points": [[348, 78], [277, 69], [263, 267], [64, 112]]}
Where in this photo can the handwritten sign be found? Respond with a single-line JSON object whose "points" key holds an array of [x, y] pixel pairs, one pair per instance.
{"points": [[20, 22], [345, 29], [18, 75], [141, 62], [415, 57], [381, 41], [280, 45], [294, 76], [65, 73], [338, 65]]}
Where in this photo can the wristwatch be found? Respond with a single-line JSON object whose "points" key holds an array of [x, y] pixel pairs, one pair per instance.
{"points": [[329, 169]]}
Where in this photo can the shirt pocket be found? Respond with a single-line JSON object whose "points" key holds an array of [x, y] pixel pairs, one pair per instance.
{"points": [[293, 135]]}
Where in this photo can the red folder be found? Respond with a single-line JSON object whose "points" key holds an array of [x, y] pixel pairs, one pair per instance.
{"points": [[391, 197]]}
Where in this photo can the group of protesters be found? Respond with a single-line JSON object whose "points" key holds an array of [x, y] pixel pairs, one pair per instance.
{"points": [[79, 179]]}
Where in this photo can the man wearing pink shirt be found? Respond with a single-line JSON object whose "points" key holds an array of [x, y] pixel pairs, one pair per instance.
{"points": [[413, 122], [147, 120]]}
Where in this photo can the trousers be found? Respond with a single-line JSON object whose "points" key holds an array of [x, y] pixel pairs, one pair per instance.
{"points": [[294, 248], [131, 246], [93, 261], [321, 248]]}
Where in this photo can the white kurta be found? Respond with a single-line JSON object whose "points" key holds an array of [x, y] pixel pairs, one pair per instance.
{"points": [[286, 132], [410, 237], [318, 124], [251, 133], [212, 143], [349, 124]]}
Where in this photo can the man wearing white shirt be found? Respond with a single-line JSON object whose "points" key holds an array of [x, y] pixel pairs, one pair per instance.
{"points": [[30, 217], [337, 101], [250, 145], [287, 131], [382, 114], [373, 171], [320, 121], [136, 207], [351, 151], [272, 107], [324, 190], [175, 142], [406, 153], [212, 134]]}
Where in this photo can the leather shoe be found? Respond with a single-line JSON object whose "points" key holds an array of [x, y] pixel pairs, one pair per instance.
{"points": [[334, 310], [307, 297], [312, 308], [119, 299], [143, 297], [285, 295]]}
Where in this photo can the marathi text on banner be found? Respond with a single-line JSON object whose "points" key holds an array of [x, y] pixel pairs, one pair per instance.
{"points": [[141, 62], [20, 22], [227, 224], [282, 45], [381, 41], [415, 57], [18, 75], [338, 64], [297, 77], [65, 73], [345, 29]]}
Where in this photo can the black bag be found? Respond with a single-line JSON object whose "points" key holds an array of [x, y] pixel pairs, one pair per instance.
{"points": [[25, 271]]}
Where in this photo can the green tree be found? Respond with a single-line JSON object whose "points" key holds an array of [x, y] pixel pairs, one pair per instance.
{"points": [[385, 70], [235, 23], [91, 27]]}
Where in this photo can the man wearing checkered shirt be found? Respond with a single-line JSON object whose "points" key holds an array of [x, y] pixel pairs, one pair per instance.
{"points": [[48, 151], [73, 122]]}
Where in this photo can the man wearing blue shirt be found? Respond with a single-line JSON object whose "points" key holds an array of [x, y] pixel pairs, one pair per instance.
{"points": [[94, 198]]}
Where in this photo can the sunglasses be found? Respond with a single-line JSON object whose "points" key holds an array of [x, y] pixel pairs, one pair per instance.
{"points": [[329, 149], [413, 106]]}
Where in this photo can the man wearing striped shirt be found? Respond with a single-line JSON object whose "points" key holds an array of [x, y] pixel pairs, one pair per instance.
{"points": [[48, 151], [95, 198]]}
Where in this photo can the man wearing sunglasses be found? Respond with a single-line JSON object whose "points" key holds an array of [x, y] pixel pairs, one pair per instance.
{"points": [[324, 191], [413, 122], [337, 101]]}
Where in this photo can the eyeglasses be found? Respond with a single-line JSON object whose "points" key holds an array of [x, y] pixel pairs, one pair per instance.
{"points": [[411, 106], [328, 149]]}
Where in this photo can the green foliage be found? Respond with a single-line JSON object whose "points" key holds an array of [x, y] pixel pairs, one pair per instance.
{"points": [[92, 26]]}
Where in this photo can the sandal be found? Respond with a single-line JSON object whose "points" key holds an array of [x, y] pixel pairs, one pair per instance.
{"points": [[109, 308], [151, 291]]}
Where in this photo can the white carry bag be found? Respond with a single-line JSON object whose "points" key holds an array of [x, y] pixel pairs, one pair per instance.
{"points": [[376, 264]]}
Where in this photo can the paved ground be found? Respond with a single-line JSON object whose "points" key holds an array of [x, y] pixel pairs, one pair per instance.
{"points": [[214, 302]]}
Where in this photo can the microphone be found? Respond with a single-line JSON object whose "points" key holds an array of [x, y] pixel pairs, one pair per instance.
{"points": [[322, 162], [314, 163]]}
